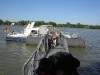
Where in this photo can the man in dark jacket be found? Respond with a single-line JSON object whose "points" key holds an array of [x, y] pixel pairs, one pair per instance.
{"points": [[65, 62]]}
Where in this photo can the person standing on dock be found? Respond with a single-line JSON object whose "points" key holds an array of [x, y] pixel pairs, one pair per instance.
{"points": [[54, 39], [60, 35], [50, 40], [57, 36]]}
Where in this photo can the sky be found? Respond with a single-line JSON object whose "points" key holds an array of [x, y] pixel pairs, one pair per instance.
{"points": [[59, 11]]}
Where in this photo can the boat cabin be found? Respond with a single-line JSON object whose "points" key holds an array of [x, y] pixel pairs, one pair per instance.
{"points": [[34, 32]]}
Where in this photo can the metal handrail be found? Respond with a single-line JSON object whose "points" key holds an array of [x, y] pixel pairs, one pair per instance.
{"points": [[41, 51]]}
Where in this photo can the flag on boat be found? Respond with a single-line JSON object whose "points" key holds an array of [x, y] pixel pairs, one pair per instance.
{"points": [[6, 30]]}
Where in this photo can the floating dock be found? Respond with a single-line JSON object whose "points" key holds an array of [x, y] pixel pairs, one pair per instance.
{"points": [[76, 42], [72, 42], [33, 40]]}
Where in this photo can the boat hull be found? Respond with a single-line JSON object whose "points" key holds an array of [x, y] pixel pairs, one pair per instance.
{"points": [[19, 39], [33, 40]]}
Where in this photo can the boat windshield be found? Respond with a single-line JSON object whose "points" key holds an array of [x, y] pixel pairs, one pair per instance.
{"points": [[34, 32]]}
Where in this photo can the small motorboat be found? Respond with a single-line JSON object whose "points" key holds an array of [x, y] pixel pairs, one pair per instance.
{"points": [[16, 36]]}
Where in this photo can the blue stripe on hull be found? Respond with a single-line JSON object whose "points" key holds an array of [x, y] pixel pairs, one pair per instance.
{"points": [[16, 39]]}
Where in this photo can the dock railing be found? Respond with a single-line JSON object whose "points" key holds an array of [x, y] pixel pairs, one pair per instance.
{"points": [[40, 52], [31, 65]]}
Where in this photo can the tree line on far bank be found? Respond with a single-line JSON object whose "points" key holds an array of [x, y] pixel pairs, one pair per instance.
{"points": [[38, 23]]}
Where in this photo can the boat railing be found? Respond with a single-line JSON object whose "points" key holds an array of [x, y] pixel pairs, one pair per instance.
{"points": [[31, 65]]}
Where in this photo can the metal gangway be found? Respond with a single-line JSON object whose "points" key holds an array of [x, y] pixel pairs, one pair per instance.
{"points": [[43, 51]]}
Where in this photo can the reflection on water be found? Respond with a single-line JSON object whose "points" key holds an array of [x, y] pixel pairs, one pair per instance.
{"points": [[89, 63], [14, 54]]}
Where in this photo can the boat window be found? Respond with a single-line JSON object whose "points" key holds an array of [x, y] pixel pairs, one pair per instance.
{"points": [[34, 32]]}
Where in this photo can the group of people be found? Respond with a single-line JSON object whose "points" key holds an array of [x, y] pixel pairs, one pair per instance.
{"points": [[53, 39], [8, 30]]}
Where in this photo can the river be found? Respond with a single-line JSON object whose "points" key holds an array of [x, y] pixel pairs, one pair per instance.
{"points": [[14, 54]]}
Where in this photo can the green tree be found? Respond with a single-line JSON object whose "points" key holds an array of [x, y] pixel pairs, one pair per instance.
{"points": [[7, 22], [68, 24], [59, 25], [1, 21], [79, 25], [86, 27], [52, 23]]}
